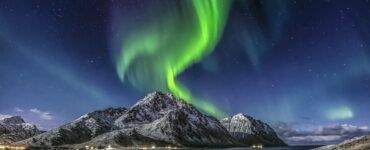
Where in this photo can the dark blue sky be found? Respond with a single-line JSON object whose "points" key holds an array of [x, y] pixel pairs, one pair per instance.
{"points": [[291, 61]]}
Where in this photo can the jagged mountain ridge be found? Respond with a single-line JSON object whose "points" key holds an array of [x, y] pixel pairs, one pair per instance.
{"points": [[156, 119], [15, 128], [176, 121], [250, 131], [80, 130]]}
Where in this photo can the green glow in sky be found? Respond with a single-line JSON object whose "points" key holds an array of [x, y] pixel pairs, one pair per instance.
{"points": [[340, 113], [154, 54]]}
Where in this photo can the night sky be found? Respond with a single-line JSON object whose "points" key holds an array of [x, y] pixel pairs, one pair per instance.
{"points": [[303, 63]]}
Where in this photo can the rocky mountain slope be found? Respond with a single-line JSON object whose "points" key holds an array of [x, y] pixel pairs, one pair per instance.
{"points": [[162, 120], [15, 129], [80, 130], [250, 131], [156, 120], [358, 143]]}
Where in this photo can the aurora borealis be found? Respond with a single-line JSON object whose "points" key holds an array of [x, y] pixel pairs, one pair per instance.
{"points": [[340, 113], [304, 63], [153, 56]]}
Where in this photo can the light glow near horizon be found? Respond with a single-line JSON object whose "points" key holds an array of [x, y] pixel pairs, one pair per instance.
{"points": [[340, 113]]}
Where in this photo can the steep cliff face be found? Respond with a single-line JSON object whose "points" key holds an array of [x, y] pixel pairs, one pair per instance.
{"points": [[250, 131], [14, 129]]}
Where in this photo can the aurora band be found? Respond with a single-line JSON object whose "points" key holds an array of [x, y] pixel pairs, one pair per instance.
{"points": [[154, 54]]}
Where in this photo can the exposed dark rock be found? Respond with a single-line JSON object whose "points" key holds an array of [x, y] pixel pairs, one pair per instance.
{"points": [[80, 130], [14, 129]]}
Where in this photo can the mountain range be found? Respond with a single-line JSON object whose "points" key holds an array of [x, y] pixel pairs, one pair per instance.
{"points": [[159, 120]]}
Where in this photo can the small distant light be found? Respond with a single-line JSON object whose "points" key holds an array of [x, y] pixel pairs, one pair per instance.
{"points": [[153, 147], [257, 146], [109, 147]]}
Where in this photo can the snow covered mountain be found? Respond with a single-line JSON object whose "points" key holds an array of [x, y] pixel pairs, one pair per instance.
{"points": [[156, 120], [80, 130], [15, 129], [163, 120], [250, 131]]}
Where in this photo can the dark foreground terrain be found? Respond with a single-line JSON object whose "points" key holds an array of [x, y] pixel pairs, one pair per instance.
{"points": [[358, 143]]}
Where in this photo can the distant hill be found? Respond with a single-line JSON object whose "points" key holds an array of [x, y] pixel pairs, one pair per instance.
{"points": [[358, 143]]}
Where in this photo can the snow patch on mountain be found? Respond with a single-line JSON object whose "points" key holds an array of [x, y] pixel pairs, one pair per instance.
{"points": [[250, 131], [14, 128], [80, 130]]}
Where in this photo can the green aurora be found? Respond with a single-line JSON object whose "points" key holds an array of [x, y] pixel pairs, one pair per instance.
{"points": [[340, 113], [154, 54]]}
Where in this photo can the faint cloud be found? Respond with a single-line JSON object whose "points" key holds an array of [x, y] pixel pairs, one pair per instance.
{"points": [[17, 109], [340, 113], [314, 138], [42, 114], [308, 134], [2, 116]]}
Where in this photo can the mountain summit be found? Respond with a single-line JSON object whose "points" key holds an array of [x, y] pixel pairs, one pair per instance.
{"points": [[15, 128], [161, 119], [250, 131]]}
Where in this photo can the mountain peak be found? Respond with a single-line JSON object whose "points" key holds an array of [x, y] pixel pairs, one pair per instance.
{"points": [[250, 131], [159, 100], [13, 120], [241, 116], [150, 108], [14, 129], [158, 94]]}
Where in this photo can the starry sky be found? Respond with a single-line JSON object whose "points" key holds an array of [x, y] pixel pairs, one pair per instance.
{"points": [[301, 62]]}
